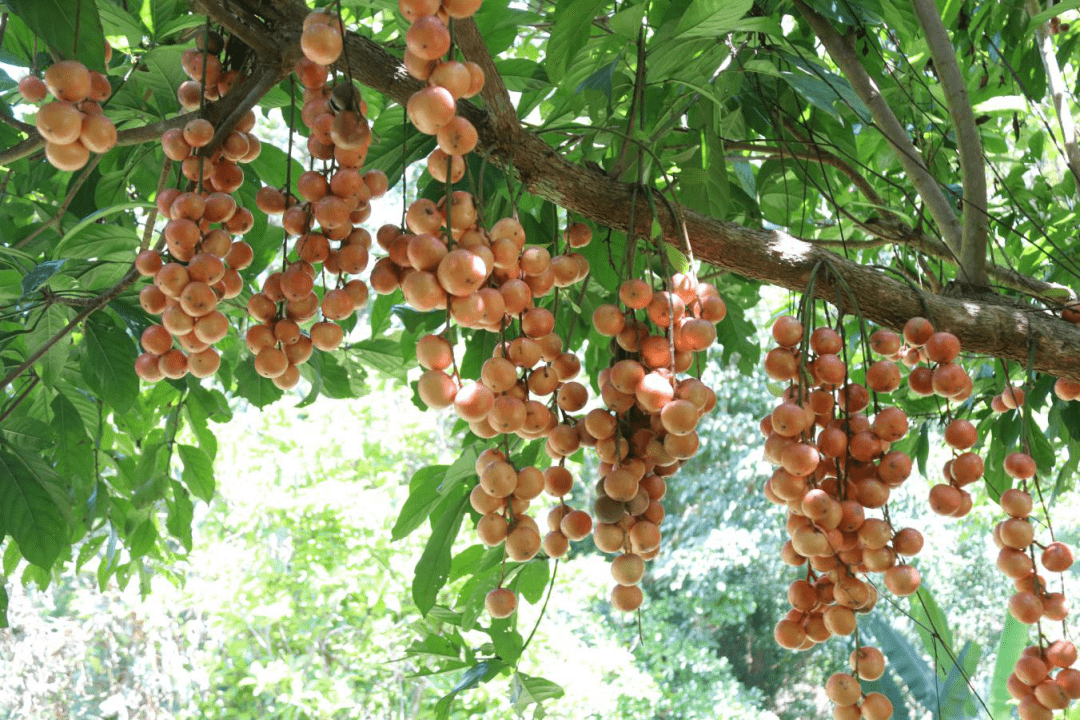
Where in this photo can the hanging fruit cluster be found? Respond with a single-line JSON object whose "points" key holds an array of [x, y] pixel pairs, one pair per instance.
{"points": [[324, 216], [648, 429], [836, 466], [73, 124], [1033, 681], [490, 279], [201, 263], [931, 356]]}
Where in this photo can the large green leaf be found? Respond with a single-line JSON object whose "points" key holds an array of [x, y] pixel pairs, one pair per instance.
{"points": [[710, 18], [526, 690], [423, 497], [253, 387], [434, 565], [44, 327], [1014, 637], [198, 471], [71, 28], [108, 363], [931, 624], [955, 692], [29, 513], [573, 19]]}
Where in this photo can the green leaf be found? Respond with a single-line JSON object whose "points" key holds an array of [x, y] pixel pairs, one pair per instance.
{"points": [[40, 275], [464, 467], [711, 18], [108, 361], [526, 690], [253, 387], [384, 355], [1014, 637], [471, 678], [955, 693], [380, 312], [434, 565], [29, 514], [72, 28], [423, 497], [573, 19], [532, 579], [181, 513], [929, 619], [143, 539], [43, 328], [198, 471]]}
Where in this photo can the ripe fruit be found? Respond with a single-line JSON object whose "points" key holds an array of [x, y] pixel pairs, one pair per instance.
{"points": [[500, 603]]}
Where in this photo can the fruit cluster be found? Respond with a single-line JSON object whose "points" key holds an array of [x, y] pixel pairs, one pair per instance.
{"points": [[836, 465], [648, 429], [1032, 682], [201, 263], [336, 199], [202, 268], [73, 124]]}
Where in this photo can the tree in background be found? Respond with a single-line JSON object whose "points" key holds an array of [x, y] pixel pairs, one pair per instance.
{"points": [[889, 161]]}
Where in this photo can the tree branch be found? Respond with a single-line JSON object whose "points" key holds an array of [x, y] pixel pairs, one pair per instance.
{"points": [[816, 154], [891, 230], [55, 219], [983, 323], [495, 95], [972, 263], [101, 301], [889, 126], [1055, 82], [129, 136]]}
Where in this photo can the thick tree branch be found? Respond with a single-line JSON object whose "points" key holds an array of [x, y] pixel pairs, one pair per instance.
{"points": [[983, 325], [889, 126], [1055, 83], [891, 230], [495, 95], [972, 263]]}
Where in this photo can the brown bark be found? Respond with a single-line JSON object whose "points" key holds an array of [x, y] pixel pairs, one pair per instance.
{"points": [[983, 325]]}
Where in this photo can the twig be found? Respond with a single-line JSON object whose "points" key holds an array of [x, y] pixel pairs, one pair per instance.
{"points": [[130, 136], [55, 219], [102, 300], [25, 392], [151, 217]]}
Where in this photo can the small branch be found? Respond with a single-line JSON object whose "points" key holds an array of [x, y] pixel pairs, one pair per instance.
{"points": [[818, 155], [1055, 83], [972, 264], [151, 217], [17, 401], [60, 211], [888, 125], [495, 95], [243, 25], [130, 136], [17, 124], [262, 79], [102, 300]]}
